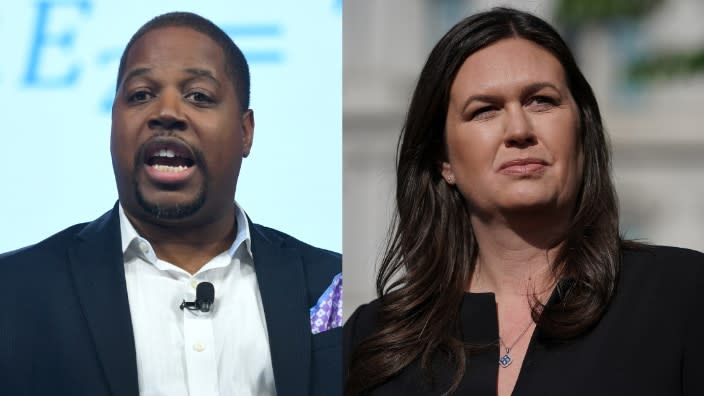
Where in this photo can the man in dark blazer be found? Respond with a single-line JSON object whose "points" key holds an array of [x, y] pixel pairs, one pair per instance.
{"points": [[181, 126]]}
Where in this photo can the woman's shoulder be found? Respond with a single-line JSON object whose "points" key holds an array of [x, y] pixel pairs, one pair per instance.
{"points": [[677, 259], [663, 269], [362, 323]]}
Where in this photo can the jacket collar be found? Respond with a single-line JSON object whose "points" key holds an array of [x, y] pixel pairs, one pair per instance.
{"points": [[99, 277], [282, 286]]}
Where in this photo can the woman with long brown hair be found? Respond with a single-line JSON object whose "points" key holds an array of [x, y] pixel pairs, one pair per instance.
{"points": [[505, 272]]}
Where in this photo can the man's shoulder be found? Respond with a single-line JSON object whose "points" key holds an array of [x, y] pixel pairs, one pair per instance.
{"points": [[56, 246], [51, 247], [287, 241], [320, 266]]}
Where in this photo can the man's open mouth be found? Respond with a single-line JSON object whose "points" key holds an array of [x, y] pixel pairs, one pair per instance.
{"points": [[169, 161], [168, 156]]}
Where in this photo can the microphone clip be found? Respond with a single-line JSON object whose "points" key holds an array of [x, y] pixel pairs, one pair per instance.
{"points": [[205, 296], [202, 306]]}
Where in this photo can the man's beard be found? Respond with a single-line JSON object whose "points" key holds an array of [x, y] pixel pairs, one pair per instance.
{"points": [[177, 211], [173, 212]]}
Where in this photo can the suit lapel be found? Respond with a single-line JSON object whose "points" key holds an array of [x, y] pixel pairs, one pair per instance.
{"points": [[283, 289], [99, 277]]}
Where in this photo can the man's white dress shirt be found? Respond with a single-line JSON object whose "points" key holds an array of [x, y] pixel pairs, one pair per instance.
{"points": [[182, 352]]}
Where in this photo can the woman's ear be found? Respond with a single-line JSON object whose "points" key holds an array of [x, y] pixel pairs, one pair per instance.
{"points": [[447, 173]]}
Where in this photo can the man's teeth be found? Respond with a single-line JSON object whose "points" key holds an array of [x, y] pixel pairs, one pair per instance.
{"points": [[167, 168], [165, 153]]}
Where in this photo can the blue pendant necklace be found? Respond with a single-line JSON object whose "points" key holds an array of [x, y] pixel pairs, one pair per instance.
{"points": [[505, 360]]}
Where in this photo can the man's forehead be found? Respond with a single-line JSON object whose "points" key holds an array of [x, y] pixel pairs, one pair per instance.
{"points": [[180, 47], [176, 43]]}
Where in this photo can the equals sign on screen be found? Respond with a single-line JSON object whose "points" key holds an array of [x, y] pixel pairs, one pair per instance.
{"points": [[255, 39]]}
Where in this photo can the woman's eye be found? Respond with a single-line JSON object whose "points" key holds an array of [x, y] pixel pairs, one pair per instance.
{"points": [[484, 113], [542, 103]]}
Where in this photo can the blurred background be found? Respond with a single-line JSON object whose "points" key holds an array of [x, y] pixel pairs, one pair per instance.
{"points": [[57, 79], [643, 58]]}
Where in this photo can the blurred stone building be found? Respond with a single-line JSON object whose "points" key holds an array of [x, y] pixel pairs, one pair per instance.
{"points": [[653, 115]]}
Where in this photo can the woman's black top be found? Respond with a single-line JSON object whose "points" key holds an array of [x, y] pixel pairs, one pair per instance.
{"points": [[650, 341]]}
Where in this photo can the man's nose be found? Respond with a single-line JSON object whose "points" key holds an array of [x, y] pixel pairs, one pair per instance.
{"points": [[168, 113]]}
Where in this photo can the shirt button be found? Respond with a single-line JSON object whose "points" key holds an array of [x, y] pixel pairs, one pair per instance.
{"points": [[198, 347], [144, 247], [194, 283]]}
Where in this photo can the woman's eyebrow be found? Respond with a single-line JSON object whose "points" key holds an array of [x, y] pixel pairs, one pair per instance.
{"points": [[535, 87]]}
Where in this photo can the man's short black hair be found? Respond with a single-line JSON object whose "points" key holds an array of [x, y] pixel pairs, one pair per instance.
{"points": [[235, 64]]}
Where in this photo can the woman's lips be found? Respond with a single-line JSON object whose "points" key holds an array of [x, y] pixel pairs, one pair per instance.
{"points": [[521, 167]]}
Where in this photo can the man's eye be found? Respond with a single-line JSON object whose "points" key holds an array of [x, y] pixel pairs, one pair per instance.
{"points": [[139, 96], [199, 97]]}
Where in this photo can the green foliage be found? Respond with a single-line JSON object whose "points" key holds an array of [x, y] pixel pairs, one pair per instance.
{"points": [[575, 13], [667, 65]]}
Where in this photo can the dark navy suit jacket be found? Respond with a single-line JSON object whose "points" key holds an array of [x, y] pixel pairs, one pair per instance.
{"points": [[65, 326]]}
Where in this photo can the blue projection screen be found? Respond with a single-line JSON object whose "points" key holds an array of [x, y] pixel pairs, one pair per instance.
{"points": [[57, 79]]}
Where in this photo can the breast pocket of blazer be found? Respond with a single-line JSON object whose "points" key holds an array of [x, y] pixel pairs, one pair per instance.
{"points": [[327, 339]]}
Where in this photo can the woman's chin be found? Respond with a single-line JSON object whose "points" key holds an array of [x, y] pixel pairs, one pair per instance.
{"points": [[532, 206]]}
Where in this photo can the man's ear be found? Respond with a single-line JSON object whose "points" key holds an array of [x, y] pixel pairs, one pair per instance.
{"points": [[247, 131], [447, 173]]}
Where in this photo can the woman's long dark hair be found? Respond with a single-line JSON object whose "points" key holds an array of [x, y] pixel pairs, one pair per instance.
{"points": [[432, 248]]}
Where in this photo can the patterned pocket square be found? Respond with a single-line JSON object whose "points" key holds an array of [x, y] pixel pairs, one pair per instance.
{"points": [[327, 312]]}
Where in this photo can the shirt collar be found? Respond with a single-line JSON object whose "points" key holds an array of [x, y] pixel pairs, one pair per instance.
{"points": [[129, 234]]}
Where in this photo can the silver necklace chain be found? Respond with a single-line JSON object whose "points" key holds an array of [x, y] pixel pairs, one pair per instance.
{"points": [[506, 359]]}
